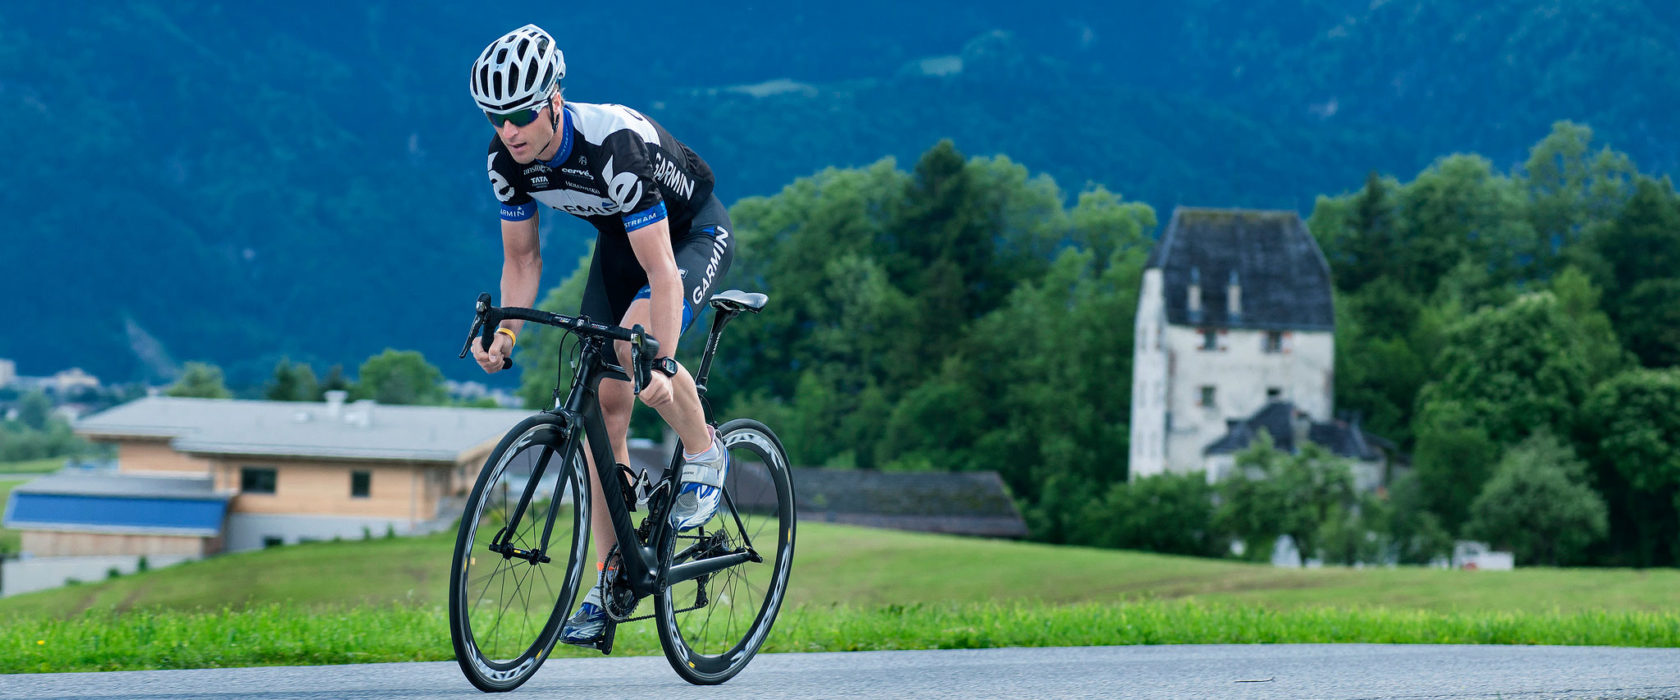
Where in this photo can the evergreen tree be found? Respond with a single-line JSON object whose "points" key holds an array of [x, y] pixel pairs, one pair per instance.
{"points": [[35, 410], [292, 382], [400, 377], [200, 380], [1538, 505]]}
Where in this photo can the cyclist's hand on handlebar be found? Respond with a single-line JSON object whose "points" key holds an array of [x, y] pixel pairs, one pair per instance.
{"points": [[491, 360], [657, 393]]}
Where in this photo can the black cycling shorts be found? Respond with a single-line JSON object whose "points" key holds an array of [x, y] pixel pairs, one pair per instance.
{"points": [[703, 252]]}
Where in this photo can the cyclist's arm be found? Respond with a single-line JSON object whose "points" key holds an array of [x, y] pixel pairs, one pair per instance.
{"points": [[652, 245], [521, 267]]}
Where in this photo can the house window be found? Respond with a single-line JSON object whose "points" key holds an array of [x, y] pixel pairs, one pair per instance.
{"points": [[1274, 393], [1210, 340], [256, 479], [1208, 397], [1274, 341], [359, 482], [272, 541]]}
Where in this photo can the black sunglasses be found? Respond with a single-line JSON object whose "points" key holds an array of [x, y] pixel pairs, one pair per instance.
{"points": [[521, 117]]}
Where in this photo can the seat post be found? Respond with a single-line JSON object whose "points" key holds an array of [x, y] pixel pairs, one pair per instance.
{"points": [[719, 319]]}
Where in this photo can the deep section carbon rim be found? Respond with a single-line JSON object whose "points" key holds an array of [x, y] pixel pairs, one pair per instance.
{"points": [[712, 626], [506, 606]]}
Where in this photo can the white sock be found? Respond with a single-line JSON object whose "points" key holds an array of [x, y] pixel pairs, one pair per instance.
{"points": [[709, 453]]}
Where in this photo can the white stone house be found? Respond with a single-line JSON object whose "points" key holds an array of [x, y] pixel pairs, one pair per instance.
{"points": [[1235, 316]]}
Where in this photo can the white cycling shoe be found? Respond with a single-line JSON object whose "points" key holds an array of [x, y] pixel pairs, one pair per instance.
{"points": [[702, 487]]}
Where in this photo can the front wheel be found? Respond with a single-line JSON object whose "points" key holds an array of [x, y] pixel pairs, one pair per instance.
{"points": [[506, 602], [710, 627]]}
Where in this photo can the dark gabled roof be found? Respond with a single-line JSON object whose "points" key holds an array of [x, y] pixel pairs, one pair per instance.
{"points": [[1284, 278], [1278, 418], [965, 503]]}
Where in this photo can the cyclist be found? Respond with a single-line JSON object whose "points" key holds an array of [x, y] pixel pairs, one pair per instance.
{"points": [[663, 240]]}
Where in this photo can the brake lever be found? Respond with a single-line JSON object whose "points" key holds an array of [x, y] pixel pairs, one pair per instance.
{"points": [[479, 309], [639, 369]]}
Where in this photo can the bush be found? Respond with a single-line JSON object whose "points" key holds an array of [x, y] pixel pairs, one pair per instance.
{"points": [[1167, 513], [1538, 504]]}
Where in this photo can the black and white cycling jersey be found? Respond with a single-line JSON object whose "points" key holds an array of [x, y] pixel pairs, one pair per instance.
{"points": [[616, 168]]}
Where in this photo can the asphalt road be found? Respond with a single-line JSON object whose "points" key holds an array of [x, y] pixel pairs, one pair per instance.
{"points": [[1227, 671]]}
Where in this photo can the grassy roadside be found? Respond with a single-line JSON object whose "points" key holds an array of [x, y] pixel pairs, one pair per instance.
{"points": [[278, 634], [852, 589], [10, 540], [865, 568], [32, 467]]}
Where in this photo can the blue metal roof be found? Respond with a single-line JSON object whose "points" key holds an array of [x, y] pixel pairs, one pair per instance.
{"points": [[107, 513]]}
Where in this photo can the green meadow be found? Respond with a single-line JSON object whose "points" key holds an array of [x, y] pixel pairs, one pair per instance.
{"points": [[851, 589]]}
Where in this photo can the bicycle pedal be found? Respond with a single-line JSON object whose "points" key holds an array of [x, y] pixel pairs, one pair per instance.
{"points": [[605, 643]]}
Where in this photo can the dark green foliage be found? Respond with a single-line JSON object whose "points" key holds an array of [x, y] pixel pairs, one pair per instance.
{"points": [[200, 380], [1414, 530], [1631, 425], [400, 377], [1513, 369], [292, 382], [335, 381], [1454, 458], [34, 410], [1167, 513], [1272, 494], [1538, 506]]}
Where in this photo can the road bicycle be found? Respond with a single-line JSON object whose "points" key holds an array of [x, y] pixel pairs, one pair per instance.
{"points": [[523, 546]]}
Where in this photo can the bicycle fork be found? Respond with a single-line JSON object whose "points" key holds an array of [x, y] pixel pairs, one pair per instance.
{"points": [[502, 543]]}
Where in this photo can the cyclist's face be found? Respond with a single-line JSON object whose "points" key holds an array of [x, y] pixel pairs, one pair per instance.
{"points": [[523, 142]]}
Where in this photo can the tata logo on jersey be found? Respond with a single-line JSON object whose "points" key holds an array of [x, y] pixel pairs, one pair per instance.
{"points": [[539, 181]]}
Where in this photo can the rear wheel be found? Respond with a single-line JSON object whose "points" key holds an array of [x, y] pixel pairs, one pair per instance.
{"points": [[710, 627], [506, 605]]}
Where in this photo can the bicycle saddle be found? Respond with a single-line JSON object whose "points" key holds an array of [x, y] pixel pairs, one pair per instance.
{"points": [[737, 301]]}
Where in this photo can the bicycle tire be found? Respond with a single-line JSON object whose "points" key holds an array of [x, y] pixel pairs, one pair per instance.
{"points": [[701, 646], [480, 601]]}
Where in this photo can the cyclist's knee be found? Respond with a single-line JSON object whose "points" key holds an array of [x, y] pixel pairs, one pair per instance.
{"points": [[617, 400]]}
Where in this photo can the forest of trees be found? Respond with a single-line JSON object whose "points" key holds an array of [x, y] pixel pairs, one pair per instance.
{"points": [[1515, 334]]}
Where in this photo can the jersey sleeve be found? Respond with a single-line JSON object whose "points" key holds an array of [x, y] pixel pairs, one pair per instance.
{"points": [[628, 173], [516, 205]]}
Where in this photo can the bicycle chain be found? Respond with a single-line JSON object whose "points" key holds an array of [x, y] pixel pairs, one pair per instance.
{"points": [[615, 598]]}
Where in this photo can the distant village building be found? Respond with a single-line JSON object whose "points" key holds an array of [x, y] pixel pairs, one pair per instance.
{"points": [[8, 371], [197, 477], [73, 379], [1235, 332]]}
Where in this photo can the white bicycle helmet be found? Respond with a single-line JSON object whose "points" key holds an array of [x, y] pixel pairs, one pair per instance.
{"points": [[522, 69]]}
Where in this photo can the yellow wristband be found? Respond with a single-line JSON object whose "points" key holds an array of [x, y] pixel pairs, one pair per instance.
{"points": [[511, 337]]}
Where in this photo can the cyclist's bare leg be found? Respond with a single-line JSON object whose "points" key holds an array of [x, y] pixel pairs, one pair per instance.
{"points": [[683, 414]]}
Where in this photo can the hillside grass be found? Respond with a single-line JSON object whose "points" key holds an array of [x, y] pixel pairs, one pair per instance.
{"points": [[10, 540], [867, 568], [33, 466], [277, 634], [851, 589]]}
